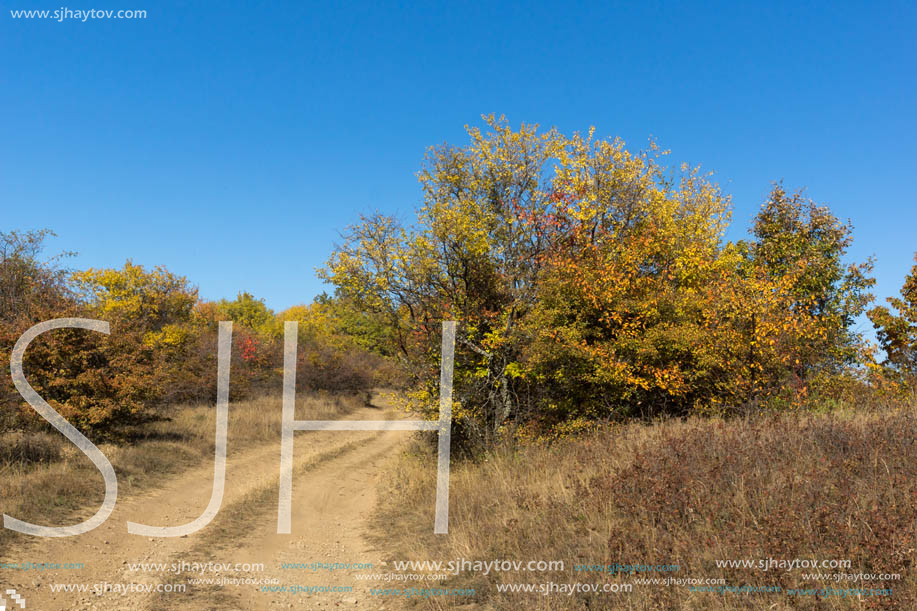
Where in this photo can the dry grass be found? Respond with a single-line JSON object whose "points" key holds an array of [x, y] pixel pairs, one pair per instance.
{"points": [[832, 486], [45, 479]]}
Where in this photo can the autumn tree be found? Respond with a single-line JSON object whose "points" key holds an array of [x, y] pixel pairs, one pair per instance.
{"points": [[897, 330], [162, 346], [100, 383], [30, 286], [661, 318], [103, 383], [498, 218], [33, 288], [248, 311], [592, 282], [354, 326], [339, 349], [469, 257], [795, 237]]}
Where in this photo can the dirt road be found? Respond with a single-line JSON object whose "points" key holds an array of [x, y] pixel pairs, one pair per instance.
{"points": [[335, 477]]}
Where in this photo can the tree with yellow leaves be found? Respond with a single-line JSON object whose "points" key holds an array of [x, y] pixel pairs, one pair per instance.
{"points": [[591, 282]]}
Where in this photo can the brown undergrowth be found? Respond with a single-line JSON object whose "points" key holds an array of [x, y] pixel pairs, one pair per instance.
{"points": [[840, 486]]}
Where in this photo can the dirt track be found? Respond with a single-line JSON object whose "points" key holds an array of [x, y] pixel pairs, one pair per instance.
{"points": [[335, 476]]}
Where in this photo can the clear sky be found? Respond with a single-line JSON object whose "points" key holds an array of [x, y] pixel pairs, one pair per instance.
{"points": [[232, 142]]}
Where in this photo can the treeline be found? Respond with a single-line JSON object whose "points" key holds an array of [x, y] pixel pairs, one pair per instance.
{"points": [[162, 349], [592, 283]]}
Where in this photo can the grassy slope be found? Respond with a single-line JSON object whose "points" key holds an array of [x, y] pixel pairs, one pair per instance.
{"points": [[839, 486]]}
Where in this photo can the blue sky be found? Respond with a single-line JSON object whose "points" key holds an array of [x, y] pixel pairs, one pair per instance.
{"points": [[233, 143]]}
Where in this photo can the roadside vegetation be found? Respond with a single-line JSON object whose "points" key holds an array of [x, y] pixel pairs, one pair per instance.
{"points": [[47, 480], [145, 393], [162, 346], [688, 492]]}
